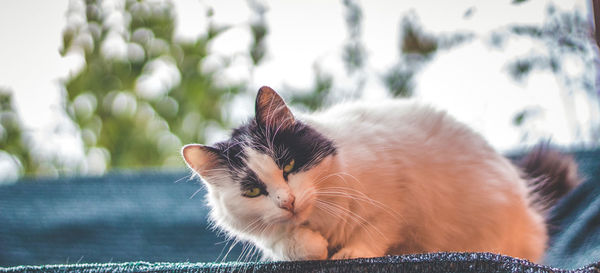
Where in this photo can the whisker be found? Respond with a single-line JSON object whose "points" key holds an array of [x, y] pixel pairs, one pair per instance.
{"points": [[358, 216], [235, 242], [196, 192], [365, 198], [337, 211], [188, 177], [330, 212]]}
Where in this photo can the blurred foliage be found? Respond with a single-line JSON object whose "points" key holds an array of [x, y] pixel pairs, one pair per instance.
{"points": [[414, 40], [518, 1], [12, 140], [469, 13], [142, 93], [568, 52], [259, 30], [417, 47], [564, 35], [317, 96], [354, 53], [353, 57]]}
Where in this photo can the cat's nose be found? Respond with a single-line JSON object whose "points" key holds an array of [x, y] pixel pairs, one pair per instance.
{"points": [[286, 202]]}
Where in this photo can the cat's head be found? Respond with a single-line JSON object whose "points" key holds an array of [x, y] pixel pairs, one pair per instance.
{"points": [[266, 173]]}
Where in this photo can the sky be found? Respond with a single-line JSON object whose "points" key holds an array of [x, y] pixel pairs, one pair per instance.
{"points": [[469, 81]]}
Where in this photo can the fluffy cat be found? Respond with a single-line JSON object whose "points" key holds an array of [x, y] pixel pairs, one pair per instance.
{"points": [[364, 179]]}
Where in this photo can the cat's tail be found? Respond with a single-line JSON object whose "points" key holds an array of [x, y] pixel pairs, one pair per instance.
{"points": [[550, 175]]}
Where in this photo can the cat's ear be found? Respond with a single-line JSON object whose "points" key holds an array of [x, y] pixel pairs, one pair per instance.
{"points": [[271, 110], [201, 159]]}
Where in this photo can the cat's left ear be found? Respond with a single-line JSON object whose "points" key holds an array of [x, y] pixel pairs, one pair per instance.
{"points": [[271, 110], [201, 159]]}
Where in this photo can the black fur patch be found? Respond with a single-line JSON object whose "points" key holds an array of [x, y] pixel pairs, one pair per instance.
{"points": [[550, 175], [299, 142]]}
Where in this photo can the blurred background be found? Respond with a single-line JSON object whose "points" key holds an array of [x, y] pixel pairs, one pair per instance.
{"points": [[91, 86]]}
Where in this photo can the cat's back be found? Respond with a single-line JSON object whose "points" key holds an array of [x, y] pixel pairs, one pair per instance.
{"points": [[398, 121], [369, 112]]}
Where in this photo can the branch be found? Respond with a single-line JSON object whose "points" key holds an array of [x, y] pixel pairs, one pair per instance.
{"points": [[596, 7]]}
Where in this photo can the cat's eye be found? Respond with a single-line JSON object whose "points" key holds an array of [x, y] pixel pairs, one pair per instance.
{"points": [[289, 166], [253, 192]]}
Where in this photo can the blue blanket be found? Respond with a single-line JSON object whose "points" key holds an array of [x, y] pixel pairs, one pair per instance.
{"points": [[160, 217]]}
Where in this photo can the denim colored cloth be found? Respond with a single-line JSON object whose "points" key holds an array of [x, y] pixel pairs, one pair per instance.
{"points": [[160, 217], [575, 220]]}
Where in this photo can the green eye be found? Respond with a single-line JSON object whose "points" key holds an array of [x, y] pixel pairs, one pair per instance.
{"points": [[289, 167], [253, 192]]}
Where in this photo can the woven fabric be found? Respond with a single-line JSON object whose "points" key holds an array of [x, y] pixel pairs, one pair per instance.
{"points": [[436, 262]]}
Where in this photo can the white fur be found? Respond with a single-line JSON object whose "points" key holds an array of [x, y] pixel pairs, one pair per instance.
{"points": [[405, 179]]}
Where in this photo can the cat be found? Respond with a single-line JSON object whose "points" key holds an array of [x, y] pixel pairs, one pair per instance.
{"points": [[365, 179]]}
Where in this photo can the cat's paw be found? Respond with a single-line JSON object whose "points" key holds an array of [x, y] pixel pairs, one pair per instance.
{"points": [[353, 252], [309, 245]]}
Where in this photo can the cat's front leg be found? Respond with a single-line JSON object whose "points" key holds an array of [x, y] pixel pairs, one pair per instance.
{"points": [[362, 246], [303, 244], [351, 252], [371, 239]]}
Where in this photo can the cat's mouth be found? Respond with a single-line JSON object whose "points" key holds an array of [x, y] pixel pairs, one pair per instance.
{"points": [[295, 218]]}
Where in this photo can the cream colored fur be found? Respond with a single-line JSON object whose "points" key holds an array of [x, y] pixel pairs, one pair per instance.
{"points": [[405, 179]]}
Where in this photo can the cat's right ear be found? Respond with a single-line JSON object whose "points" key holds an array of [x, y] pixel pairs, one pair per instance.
{"points": [[271, 110], [201, 159]]}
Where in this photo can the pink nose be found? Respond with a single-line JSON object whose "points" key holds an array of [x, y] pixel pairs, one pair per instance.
{"points": [[286, 203]]}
